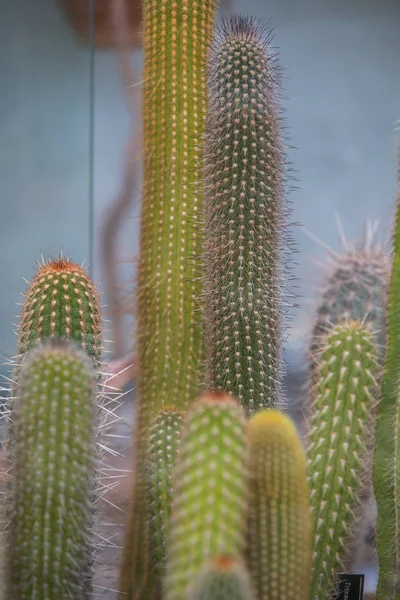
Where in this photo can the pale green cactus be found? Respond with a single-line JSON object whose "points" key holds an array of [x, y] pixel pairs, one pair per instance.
{"points": [[223, 578], [341, 424], [53, 458], [210, 492]]}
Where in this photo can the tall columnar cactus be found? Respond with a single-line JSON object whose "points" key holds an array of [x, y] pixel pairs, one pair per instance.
{"points": [[341, 424], [224, 578], [354, 287], [61, 301], [244, 216], [209, 494], [52, 456], [164, 444], [279, 538], [386, 467], [176, 37]]}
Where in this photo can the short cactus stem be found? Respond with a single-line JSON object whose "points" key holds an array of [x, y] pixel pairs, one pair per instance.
{"points": [[61, 302], [341, 424], [244, 210], [209, 509], [164, 444], [279, 533], [52, 457], [386, 467], [224, 578]]}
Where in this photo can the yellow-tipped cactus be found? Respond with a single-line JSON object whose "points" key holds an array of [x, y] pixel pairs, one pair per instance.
{"points": [[279, 539], [209, 493]]}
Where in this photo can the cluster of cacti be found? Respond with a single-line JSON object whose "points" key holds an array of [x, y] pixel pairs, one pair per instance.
{"points": [[226, 505]]}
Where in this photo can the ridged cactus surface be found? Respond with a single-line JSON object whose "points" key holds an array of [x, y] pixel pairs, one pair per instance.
{"points": [[209, 493], [170, 356], [386, 468], [244, 209], [341, 424], [164, 444], [61, 301], [224, 578], [52, 456], [279, 538]]}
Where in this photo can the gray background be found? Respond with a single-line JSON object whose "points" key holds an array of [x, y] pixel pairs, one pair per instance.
{"points": [[342, 86]]}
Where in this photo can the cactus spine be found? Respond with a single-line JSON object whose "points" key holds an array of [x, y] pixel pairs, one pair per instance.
{"points": [[52, 455], [244, 215], [164, 443], [279, 539], [208, 514], [386, 466], [340, 426], [224, 578], [61, 301], [176, 35]]}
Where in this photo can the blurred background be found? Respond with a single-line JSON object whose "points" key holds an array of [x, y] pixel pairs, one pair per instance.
{"points": [[70, 114]]}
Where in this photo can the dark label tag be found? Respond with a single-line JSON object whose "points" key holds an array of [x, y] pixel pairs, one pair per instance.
{"points": [[349, 586]]}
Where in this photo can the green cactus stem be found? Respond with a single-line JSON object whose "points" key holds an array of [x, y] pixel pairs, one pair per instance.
{"points": [[164, 444], [224, 578], [61, 301], [341, 424], [279, 533], [209, 492], [244, 210], [52, 457], [169, 331], [386, 466]]}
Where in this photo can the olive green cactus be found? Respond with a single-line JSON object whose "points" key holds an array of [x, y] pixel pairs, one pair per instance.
{"points": [[61, 301], [341, 424], [223, 578], [244, 211], [210, 492], [386, 466], [279, 532], [164, 444], [170, 356], [53, 458]]}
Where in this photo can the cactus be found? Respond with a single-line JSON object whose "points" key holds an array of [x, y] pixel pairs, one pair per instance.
{"points": [[279, 533], [176, 37], [61, 301], [244, 216], [164, 443], [355, 288], [386, 465], [224, 578], [52, 456], [208, 513], [341, 424]]}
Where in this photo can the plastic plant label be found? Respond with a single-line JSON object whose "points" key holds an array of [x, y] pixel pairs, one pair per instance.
{"points": [[349, 586]]}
